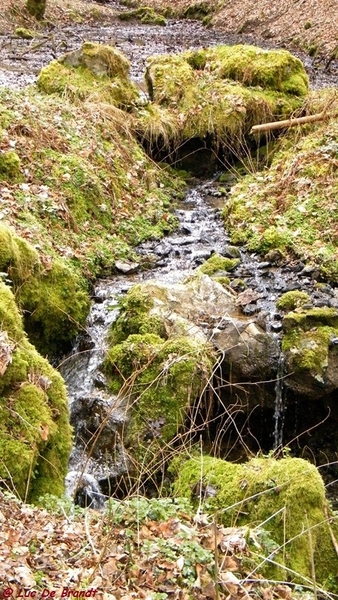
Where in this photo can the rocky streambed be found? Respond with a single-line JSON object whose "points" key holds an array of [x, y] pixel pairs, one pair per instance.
{"points": [[252, 402]]}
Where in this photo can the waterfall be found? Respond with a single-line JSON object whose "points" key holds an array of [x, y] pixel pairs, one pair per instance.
{"points": [[279, 413]]}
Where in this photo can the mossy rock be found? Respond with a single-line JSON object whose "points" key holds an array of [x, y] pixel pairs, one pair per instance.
{"points": [[134, 316], [54, 299], [218, 263], [35, 435], [159, 368], [25, 34], [285, 498], [311, 353], [95, 71], [293, 299], [209, 99], [10, 166], [145, 14], [252, 66], [162, 378]]}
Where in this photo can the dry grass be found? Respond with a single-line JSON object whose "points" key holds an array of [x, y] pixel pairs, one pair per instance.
{"points": [[294, 22], [12, 13]]}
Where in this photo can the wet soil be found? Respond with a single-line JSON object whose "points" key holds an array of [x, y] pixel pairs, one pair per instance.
{"points": [[21, 60]]}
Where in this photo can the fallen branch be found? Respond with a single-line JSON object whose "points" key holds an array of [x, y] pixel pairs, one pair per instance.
{"points": [[290, 122]]}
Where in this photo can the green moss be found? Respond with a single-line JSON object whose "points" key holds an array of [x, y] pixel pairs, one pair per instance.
{"points": [[145, 14], [134, 317], [308, 350], [273, 69], [35, 435], [219, 263], [225, 281], [55, 300], [311, 318], [295, 213], [159, 377], [10, 166], [209, 98], [306, 342], [96, 71], [292, 300], [36, 8], [56, 304], [288, 496], [162, 378], [25, 34]]}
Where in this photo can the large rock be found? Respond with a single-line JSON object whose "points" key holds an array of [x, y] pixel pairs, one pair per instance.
{"points": [[281, 501], [310, 345], [35, 435], [204, 310], [95, 71]]}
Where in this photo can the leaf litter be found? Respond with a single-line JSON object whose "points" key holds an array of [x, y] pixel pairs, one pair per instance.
{"points": [[122, 557]]}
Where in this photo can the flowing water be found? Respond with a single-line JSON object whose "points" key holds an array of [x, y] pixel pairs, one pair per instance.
{"points": [[199, 235]]}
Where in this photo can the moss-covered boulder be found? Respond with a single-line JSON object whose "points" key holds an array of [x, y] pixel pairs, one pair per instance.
{"points": [[217, 94], [281, 501], [293, 299], [95, 71], [53, 296], [35, 435], [10, 166], [217, 263], [160, 364], [162, 378], [310, 345]]}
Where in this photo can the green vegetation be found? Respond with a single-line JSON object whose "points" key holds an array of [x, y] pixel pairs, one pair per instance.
{"points": [[284, 499], [160, 376], [219, 93], [80, 189], [292, 205], [36, 8], [25, 34], [218, 263], [53, 296], [9, 166], [145, 14], [35, 435], [96, 72], [306, 341], [292, 300]]}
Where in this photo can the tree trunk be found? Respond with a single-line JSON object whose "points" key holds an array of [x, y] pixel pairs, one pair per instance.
{"points": [[36, 8]]}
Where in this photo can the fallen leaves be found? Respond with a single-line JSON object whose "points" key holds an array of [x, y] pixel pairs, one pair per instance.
{"points": [[125, 559]]}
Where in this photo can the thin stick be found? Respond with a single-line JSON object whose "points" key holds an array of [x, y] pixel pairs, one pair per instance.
{"points": [[290, 122]]}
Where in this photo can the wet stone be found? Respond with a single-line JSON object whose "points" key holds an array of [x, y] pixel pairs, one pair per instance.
{"points": [[125, 267], [250, 309], [163, 249], [293, 285], [231, 252]]}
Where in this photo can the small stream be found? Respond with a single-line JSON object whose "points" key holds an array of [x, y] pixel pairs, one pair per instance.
{"points": [[200, 234]]}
